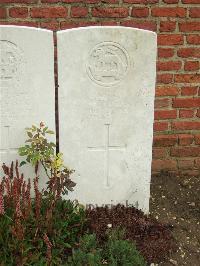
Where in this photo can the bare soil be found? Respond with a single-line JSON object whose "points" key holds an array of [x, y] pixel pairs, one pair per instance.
{"points": [[175, 199]]}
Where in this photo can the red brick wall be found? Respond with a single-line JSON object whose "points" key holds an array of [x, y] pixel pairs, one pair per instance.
{"points": [[177, 22]]}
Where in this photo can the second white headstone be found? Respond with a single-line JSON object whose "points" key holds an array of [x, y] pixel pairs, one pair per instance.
{"points": [[106, 109]]}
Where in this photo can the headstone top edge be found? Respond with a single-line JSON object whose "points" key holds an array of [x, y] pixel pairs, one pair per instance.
{"points": [[107, 27], [25, 28]]}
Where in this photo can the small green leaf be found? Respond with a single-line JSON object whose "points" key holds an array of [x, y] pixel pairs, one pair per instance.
{"points": [[22, 163], [29, 134], [49, 132]]}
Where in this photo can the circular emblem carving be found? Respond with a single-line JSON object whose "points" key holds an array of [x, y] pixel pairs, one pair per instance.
{"points": [[108, 63], [10, 61]]}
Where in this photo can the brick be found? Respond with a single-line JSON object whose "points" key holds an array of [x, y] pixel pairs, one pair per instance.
{"points": [[164, 78], [187, 78], [160, 126], [191, 65], [158, 153], [165, 114], [146, 25], [185, 139], [2, 13], [79, 12], [162, 103], [141, 1], [70, 25], [19, 1], [193, 39], [167, 91], [117, 12], [186, 125], [186, 102], [189, 26], [195, 12], [185, 151], [167, 26], [168, 12], [168, 65], [191, 1], [186, 113], [158, 165], [197, 163], [189, 52], [165, 52], [170, 39], [185, 164], [170, 1], [197, 139], [140, 12], [52, 25], [189, 91], [18, 12], [165, 140], [20, 23], [49, 12]]}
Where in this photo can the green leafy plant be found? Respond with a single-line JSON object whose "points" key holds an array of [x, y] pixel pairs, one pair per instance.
{"points": [[119, 251], [38, 150]]}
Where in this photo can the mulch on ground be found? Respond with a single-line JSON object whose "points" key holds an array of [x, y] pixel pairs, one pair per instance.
{"points": [[153, 239]]}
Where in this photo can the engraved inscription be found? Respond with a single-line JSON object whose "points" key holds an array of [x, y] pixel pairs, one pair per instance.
{"points": [[10, 61], [108, 63], [107, 148]]}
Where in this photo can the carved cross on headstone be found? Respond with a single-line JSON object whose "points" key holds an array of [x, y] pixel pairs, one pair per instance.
{"points": [[107, 148], [7, 150]]}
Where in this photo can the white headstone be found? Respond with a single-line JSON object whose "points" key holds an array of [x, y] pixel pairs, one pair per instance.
{"points": [[106, 104], [26, 86]]}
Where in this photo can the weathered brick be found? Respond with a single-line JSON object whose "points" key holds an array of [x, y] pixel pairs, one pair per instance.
{"points": [[146, 25], [167, 91], [191, 65], [185, 151], [140, 12], [49, 12], [168, 12], [162, 103], [158, 153], [198, 113], [158, 165], [189, 91], [165, 52], [195, 12], [165, 114], [197, 139], [189, 52], [186, 125], [186, 102], [79, 12], [167, 26], [170, 39], [187, 78], [193, 39], [115, 12], [189, 26], [186, 164], [18, 12], [161, 126], [168, 65], [186, 113], [185, 139], [2, 12], [165, 140], [164, 78]]}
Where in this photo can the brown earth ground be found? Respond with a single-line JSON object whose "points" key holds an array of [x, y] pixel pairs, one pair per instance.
{"points": [[175, 199]]}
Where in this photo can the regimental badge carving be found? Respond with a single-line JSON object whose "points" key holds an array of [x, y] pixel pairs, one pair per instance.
{"points": [[10, 62], [108, 63]]}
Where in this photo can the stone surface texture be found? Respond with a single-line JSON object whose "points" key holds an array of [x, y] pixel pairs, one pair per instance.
{"points": [[26, 86], [106, 112]]}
